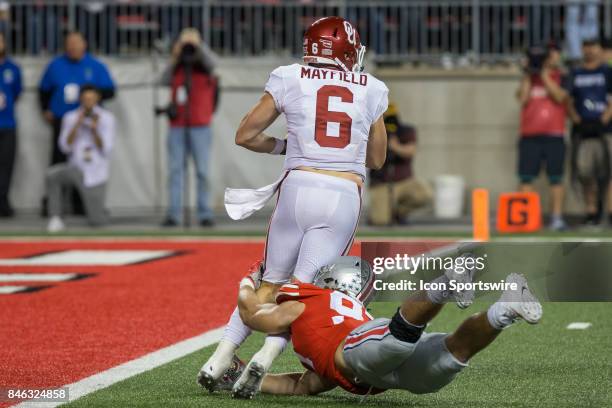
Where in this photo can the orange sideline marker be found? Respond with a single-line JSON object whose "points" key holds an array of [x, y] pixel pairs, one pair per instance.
{"points": [[480, 214]]}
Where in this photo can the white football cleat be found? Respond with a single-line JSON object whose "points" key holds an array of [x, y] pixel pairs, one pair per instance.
{"points": [[249, 383], [55, 224], [226, 381], [520, 303], [463, 298]]}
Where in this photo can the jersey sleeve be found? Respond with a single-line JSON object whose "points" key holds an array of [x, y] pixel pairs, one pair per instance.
{"points": [[276, 88], [379, 101], [287, 292]]}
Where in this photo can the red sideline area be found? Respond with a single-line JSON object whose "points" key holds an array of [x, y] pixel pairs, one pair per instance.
{"points": [[78, 328]]}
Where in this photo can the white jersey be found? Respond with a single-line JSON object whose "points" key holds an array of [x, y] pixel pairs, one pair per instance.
{"points": [[329, 114]]}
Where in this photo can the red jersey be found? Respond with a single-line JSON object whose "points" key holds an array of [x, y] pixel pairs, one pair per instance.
{"points": [[541, 115], [328, 318]]}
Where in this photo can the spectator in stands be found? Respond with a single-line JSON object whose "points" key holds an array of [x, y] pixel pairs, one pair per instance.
{"points": [[590, 86], [394, 191], [194, 92], [87, 136], [10, 89], [581, 23], [543, 117], [59, 86]]}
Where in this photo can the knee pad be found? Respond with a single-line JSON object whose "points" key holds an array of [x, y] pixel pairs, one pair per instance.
{"points": [[404, 331]]}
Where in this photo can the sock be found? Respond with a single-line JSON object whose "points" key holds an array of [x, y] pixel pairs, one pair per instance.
{"points": [[439, 296], [235, 330], [272, 348], [234, 335], [498, 317], [221, 359]]}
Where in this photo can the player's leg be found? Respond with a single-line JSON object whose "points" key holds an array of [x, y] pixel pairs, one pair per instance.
{"points": [[478, 331], [282, 246], [376, 349], [327, 208], [439, 357]]}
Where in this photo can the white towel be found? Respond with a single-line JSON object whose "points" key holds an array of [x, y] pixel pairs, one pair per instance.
{"points": [[240, 203]]}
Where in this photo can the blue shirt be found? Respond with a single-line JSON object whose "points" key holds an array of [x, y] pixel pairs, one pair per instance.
{"points": [[63, 79], [10, 89], [590, 89]]}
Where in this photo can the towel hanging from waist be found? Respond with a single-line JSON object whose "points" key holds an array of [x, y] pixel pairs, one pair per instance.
{"points": [[241, 203]]}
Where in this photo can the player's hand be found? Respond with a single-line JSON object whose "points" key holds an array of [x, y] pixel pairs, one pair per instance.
{"points": [[605, 118], [254, 276]]}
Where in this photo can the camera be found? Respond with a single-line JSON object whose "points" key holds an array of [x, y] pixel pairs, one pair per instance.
{"points": [[170, 110], [189, 55], [536, 57]]}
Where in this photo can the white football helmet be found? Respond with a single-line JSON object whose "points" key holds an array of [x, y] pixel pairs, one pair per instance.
{"points": [[349, 274]]}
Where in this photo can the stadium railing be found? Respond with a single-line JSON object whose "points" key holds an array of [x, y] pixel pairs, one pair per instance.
{"points": [[397, 31]]}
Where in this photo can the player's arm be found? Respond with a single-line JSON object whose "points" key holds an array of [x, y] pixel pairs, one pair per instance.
{"points": [[307, 383], [250, 132], [265, 318], [376, 152]]}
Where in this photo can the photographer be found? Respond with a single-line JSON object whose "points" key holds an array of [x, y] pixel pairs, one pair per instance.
{"points": [[543, 116], [195, 95], [86, 137], [394, 191], [590, 110]]}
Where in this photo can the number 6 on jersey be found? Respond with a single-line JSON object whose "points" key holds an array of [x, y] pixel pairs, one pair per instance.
{"points": [[325, 116]]}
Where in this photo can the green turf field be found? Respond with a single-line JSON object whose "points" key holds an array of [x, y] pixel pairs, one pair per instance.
{"points": [[528, 366]]}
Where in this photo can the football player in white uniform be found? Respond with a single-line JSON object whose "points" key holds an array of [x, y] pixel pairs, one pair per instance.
{"points": [[335, 130]]}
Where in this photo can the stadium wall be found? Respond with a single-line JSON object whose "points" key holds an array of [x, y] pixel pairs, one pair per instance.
{"points": [[467, 123]]}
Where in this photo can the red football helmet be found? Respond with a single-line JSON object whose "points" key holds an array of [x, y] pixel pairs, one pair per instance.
{"points": [[334, 41]]}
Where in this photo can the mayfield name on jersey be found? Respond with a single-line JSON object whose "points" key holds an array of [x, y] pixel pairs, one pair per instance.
{"points": [[350, 77], [327, 319]]}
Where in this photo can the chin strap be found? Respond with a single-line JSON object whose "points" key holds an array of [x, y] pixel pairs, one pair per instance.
{"points": [[360, 57]]}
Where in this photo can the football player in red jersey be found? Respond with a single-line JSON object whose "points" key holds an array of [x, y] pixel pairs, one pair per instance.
{"points": [[341, 345]]}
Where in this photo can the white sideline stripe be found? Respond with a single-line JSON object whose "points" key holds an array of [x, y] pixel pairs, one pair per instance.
{"points": [[578, 326], [36, 277], [134, 367], [7, 290], [106, 257]]}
